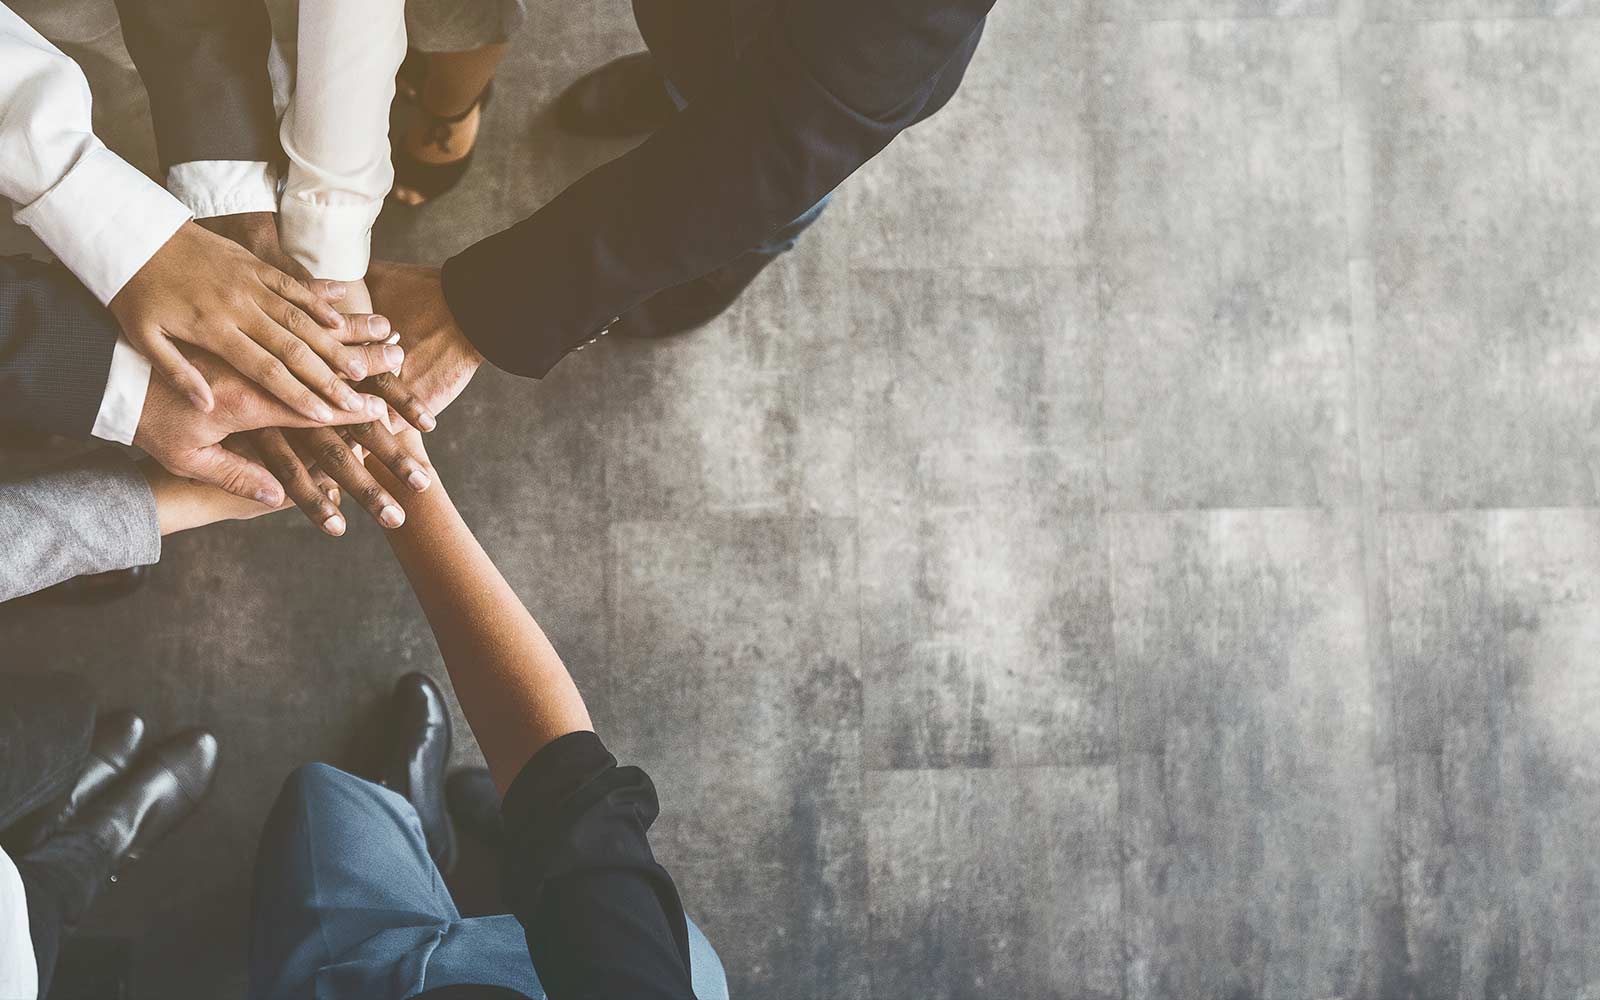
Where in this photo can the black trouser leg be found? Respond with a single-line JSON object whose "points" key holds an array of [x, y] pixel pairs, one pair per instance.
{"points": [[46, 722], [60, 881]]}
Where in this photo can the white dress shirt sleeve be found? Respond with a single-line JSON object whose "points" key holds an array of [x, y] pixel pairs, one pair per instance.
{"points": [[209, 188], [19, 970], [336, 132], [126, 386], [101, 216]]}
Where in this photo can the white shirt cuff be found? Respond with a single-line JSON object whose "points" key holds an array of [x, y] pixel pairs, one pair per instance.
{"points": [[104, 219], [19, 972], [329, 240], [123, 402], [224, 187]]}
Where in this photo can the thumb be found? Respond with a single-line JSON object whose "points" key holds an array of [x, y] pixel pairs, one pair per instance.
{"points": [[231, 472]]}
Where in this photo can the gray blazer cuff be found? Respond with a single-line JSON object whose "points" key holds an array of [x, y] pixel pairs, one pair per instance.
{"points": [[93, 515]]}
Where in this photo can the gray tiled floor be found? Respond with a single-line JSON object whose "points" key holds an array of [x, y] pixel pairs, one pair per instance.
{"points": [[1143, 544]]}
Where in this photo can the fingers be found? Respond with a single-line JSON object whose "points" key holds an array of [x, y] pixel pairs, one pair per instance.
{"points": [[322, 288], [303, 487], [233, 473], [260, 410], [285, 287], [363, 328], [375, 358], [394, 390], [334, 456], [271, 373], [355, 362], [177, 371], [394, 455]]}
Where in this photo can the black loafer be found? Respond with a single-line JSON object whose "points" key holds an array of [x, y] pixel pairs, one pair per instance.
{"points": [[117, 739], [420, 722], [475, 805], [163, 789], [626, 96]]}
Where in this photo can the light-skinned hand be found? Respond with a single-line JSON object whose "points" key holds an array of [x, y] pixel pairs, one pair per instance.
{"points": [[188, 442], [205, 290]]}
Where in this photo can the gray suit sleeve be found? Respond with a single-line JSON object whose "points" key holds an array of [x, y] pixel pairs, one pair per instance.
{"points": [[93, 515], [55, 348], [204, 63]]}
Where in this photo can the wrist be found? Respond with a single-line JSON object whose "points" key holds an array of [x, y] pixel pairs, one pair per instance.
{"points": [[182, 504], [255, 231]]}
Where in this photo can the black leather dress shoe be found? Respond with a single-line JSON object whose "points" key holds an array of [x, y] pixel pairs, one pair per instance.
{"points": [[162, 789], [475, 805], [691, 305], [420, 721], [117, 739], [96, 588], [626, 96]]}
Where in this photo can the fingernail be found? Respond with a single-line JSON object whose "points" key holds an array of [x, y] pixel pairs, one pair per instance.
{"points": [[268, 497], [394, 338], [334, 525], [355, 366], [378, 327], [393, 357], [418, 480], [391, 517], [351, 401], [199, 402], [334, 290], [322, 412], [377, 408], [426, 421], [333, 495]]}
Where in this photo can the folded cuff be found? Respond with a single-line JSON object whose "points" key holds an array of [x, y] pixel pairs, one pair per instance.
{"points": [[104, 220], [210, 188], [126, 385], [329, 240]]}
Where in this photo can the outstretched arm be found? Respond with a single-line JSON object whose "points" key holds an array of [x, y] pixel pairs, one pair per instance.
{"points": [[513, 687], [602, 918]]}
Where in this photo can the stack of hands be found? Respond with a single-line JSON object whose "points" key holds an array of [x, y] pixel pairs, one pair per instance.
{"points": [[273, 388]]}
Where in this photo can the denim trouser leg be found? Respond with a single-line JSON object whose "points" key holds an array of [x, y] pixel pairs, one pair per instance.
{"points": [[348, 903]]}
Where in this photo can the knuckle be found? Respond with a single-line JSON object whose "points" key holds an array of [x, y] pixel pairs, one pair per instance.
{"points": [[371, 494], [332, 454], [296, 354], [268, 370]]}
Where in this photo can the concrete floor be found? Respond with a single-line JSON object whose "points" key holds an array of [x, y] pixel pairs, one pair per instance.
{"points": [[1144, 543]]}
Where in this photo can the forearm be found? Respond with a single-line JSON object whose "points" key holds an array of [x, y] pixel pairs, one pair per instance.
{"points": [[515, 691], [335, 132], [90, 516]]}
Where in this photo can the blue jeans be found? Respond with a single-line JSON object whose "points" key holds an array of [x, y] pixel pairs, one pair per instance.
{"points": [[348, 903]]}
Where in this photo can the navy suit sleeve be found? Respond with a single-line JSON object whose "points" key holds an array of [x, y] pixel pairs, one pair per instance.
{"points": [[818, 93], [55, 348]]}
